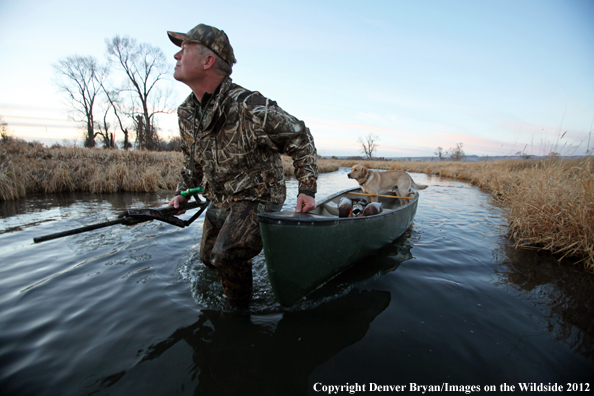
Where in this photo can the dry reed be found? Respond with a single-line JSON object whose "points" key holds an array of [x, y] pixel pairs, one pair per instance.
{"points": [[33, 168], [324, 166], [549, 203]]}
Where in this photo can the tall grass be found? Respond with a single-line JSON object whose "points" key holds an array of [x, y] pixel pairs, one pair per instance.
{"points": [[324, 166], [549, 203], [33, 168]]}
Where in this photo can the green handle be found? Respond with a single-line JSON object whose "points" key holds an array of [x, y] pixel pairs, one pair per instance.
{"points": [[192, 191]]}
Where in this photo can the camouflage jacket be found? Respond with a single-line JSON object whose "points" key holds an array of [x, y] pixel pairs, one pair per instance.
{"points": [[232, 144]]}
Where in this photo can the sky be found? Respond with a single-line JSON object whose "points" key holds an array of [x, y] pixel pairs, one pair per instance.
{"points": [[497, 76]]}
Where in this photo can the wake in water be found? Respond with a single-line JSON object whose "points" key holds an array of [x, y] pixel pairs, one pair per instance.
{"points": [[208, 292]]}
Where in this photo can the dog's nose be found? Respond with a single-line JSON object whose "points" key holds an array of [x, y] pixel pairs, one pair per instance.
{"points": [[349, 175]]}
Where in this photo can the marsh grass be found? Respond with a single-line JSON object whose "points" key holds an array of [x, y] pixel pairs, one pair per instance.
{"points": [[324, 165], [27, 168], [549, 202], [33, 168]]}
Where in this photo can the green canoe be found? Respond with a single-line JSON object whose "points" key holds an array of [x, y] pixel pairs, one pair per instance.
{"points": [[305, 250]]}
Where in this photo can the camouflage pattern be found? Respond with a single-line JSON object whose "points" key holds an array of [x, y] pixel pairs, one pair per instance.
{"points": [[214, 39], [230, 235], [230, 239], [232, 145]]}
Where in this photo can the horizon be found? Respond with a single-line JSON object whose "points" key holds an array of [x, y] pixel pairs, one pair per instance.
{"points": [[500, 77], [79, 143]]}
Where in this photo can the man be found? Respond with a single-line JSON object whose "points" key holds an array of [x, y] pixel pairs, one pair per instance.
{"points": [[232, 139]]}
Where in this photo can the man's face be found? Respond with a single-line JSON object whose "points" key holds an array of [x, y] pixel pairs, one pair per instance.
{"points": [[189, 66]]}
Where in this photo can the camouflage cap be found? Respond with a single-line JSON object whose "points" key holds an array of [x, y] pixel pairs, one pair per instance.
{"points": [[211, 37]]}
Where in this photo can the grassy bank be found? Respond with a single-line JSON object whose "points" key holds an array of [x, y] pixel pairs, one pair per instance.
{"points": [[33, 168], [549, 203], [27, 169]]}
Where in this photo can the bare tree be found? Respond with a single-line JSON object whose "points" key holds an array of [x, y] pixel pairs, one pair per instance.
{"points": [[456, 153], [139, 122], [368, 144], [145, 66], [102, 129], [113, 98], [439, 152], [80, 79]]}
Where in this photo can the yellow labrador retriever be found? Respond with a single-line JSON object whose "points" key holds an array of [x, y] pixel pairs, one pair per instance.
{"points": [[372, 182]]}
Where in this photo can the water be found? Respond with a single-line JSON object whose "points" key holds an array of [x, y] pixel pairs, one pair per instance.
{"points": [[130, 310]]}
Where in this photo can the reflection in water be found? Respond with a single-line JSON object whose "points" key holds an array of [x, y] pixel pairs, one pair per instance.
{"points": [[40, 203], [235, 353], [566, 291], [386, 260], [128, 310]]}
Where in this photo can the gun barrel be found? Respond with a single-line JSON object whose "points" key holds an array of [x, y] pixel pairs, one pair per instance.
{"points": [[78, 230], [123, 220]]}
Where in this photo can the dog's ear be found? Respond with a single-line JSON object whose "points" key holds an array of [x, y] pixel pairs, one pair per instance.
{"points": [[363, 172]]}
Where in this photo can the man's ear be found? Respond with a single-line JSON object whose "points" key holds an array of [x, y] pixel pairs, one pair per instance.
{"points": [[209, 62]]}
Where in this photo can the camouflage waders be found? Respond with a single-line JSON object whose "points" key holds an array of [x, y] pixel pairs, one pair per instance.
{"points": [[230, 239], [232, 140]]}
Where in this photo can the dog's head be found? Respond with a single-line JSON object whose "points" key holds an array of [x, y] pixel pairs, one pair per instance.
{"points": [[358, 172]]}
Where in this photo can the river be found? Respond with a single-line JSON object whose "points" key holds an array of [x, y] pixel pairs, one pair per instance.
{"points": [[450, 305]]}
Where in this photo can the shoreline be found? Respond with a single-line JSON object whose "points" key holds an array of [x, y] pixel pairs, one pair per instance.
{"points": [[549, 203]]}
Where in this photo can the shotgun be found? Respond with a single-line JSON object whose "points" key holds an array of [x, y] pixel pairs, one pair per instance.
{"points": [[136, 216]]}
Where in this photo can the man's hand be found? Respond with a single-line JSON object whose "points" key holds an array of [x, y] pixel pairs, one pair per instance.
{"points": [[305, 203], [175, 202]]}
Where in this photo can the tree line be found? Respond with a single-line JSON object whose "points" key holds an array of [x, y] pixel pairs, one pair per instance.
{"points": [[455, 153], [103, 104], [369, 144]]}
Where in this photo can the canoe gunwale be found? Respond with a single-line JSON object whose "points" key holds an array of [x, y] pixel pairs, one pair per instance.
{"points": [[309, 219]]}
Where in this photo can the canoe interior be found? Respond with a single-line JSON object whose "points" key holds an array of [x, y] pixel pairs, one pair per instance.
{"points": [[305, 250]]}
